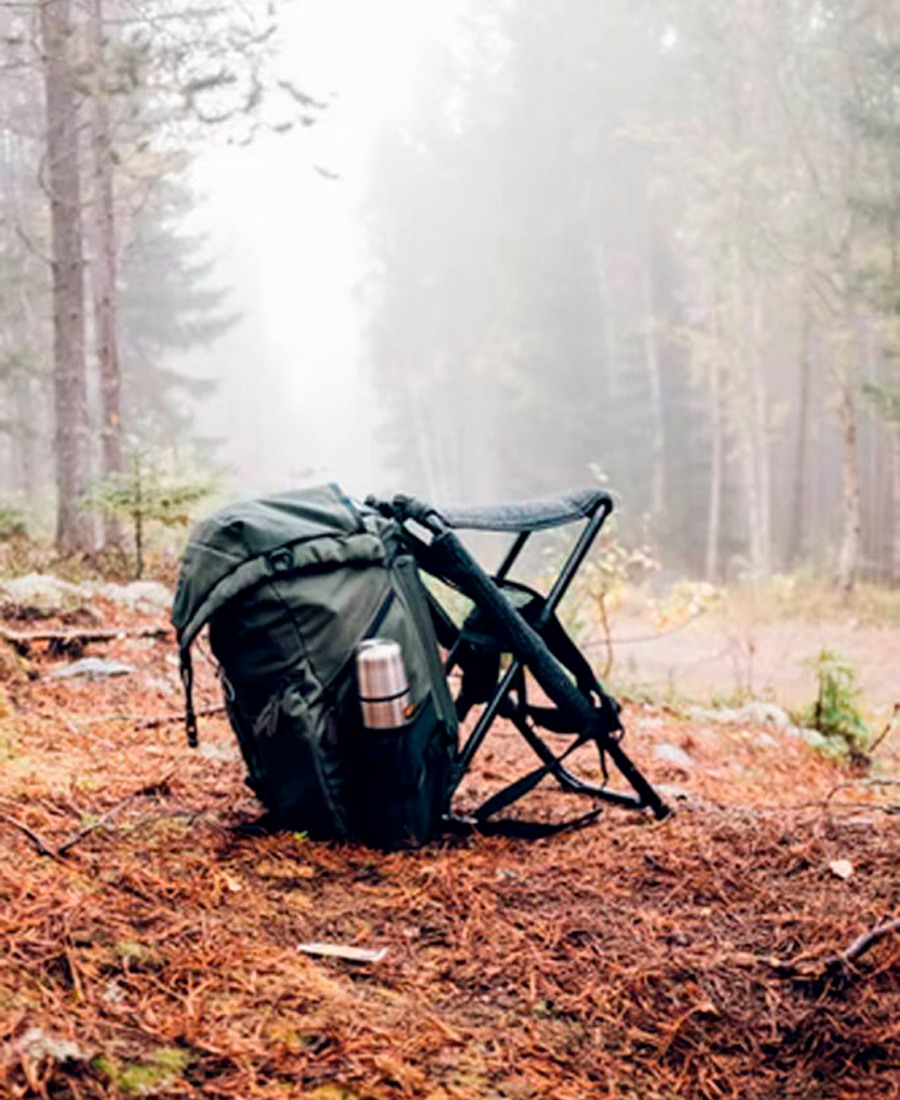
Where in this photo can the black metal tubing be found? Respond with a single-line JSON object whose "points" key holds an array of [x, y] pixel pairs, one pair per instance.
{"points": [[569, 782], [485, 720], [518, 545], [557, 591], [509, 560], [477, 584], [573, 563]]}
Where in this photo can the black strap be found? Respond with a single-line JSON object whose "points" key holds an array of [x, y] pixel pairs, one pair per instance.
{"points": [[551, 630], [521, 830], [376, 624], [564, 649], [445, 628], [187, 680]]}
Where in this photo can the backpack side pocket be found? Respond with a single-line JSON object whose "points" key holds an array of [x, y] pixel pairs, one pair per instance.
{"points": [[302, 775], [400, 780]]}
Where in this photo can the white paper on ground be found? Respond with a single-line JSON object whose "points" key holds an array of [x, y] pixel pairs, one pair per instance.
{"points": [[339, 951]]}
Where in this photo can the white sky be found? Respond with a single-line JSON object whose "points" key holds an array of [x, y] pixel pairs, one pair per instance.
{"points": [[289, 243]]}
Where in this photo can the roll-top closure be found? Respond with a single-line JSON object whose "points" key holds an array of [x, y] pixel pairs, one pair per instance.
{"points": [[310, 555]]}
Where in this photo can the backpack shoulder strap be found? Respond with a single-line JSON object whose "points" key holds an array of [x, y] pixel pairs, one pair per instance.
{"points": [[187, 680]]}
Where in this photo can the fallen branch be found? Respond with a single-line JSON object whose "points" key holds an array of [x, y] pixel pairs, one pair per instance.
{"points": [[818, 970], [178, 716], [156, 787], [42, 847], [22, 640], [850, 783], [889, 725], [144, 723], [865, 940]]}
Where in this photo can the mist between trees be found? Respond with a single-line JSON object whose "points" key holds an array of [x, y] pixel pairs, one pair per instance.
{"points": [[661, 238], [657, 242]]}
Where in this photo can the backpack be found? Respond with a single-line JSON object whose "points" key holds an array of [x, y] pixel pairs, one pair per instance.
{"points": [[289, 586]]}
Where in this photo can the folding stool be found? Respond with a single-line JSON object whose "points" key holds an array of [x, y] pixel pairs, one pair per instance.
{"points": [[513, 630]]}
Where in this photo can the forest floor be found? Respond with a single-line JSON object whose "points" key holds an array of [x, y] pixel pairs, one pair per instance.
{"points": [[151, 949]]}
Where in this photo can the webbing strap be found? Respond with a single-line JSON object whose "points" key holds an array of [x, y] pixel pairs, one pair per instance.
{"points": [[514, 791], [187, 680], [519, 830], [564, 649]]}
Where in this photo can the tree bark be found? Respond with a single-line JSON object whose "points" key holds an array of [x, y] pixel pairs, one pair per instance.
{"points": [[714, 512], [73, 529], [895, 518], [105, 264], [795, 538], [848, 561], [654, 385], [759, 432]]}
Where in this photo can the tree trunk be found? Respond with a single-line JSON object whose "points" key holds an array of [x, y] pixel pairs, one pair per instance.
{"points": [[73, 529], [105, 265], [848, 561], [606, 382], [795, 537], [759, 437], [763, 480], [654, 387], [423, 439], [895, 519], [749, 409], [714, 514]]}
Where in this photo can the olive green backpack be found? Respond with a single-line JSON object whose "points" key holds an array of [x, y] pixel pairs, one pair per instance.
{"points": [[289, 585]]}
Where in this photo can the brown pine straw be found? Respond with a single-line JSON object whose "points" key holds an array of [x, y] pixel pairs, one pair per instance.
{"points": [[714, 955]]}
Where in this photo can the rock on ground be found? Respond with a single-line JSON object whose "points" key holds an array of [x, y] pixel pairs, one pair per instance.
{"points": [[672, 754], [146, 596], [89, 668], [756, 714], [41, 592], [48, 595]]}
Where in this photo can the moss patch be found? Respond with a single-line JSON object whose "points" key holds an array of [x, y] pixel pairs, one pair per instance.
{"points": [[149, 1077]]}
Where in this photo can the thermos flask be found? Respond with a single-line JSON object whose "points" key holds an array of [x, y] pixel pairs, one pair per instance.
{"points": [[383, 686]]}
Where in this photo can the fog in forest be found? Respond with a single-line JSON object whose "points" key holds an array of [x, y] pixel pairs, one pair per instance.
{"points": [[472, 250]]}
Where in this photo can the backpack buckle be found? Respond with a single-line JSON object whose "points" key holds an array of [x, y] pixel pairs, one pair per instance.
{"points": [[280, 560]]}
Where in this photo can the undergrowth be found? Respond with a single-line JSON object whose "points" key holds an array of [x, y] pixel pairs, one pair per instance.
{"points": [[835, 712]]}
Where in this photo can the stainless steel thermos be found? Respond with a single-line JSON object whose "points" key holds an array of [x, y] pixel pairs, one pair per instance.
{"points": [[383, 686]]}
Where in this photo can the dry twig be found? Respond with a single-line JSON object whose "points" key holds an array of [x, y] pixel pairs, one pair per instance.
{"points": [[865, 940], [22, 640], [157, 786], [41, 845], [178, 716], [889, 725]]}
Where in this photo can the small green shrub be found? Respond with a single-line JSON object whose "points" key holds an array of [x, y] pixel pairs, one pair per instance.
{"points": [[835, 712], [146, 494]]}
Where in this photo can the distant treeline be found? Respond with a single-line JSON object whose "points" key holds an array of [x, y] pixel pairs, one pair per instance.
{"points": [[656, 241]]}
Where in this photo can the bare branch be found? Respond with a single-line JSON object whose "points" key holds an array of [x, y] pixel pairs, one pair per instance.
{"points": [[863, 942]]}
